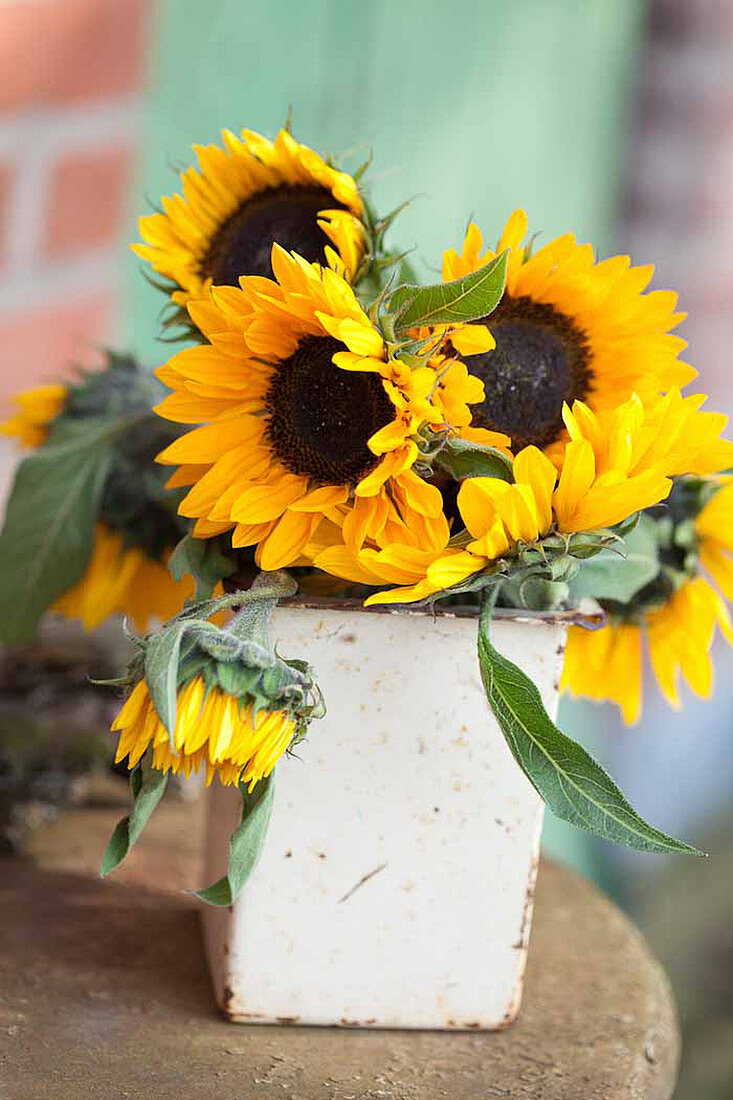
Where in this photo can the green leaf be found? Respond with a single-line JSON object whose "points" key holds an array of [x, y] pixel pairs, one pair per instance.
{"points": [[467, 299], [245, 843], [619, 575], [573, 785], [163, 655], [461, 459], [204, 560], [147, 786], [54, 505]]}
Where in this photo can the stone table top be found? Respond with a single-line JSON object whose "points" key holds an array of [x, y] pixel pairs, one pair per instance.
{"points": [[104, 995]]}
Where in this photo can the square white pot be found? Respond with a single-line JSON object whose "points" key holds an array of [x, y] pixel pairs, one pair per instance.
{"points": [[395, 887]]}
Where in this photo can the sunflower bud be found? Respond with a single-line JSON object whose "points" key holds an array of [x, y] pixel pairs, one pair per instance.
{"points": [[214, 697], [91, 479]]}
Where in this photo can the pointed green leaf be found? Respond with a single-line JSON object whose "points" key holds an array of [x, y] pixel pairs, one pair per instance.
{"points": [[470, 298], [49, 527], [573, 785], [147, 786], [462, 458], [245, 844], [163, 656]]}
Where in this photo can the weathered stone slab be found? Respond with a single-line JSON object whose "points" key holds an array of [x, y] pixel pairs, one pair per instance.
{"points": [[104, 995]]}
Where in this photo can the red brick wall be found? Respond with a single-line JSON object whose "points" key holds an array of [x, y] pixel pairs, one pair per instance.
{"points": [[71, 73]]}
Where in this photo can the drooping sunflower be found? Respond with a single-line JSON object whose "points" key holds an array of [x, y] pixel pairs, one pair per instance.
{"points": [[567, 329], [135, 531], [676, 615], [212, 729], [309, 421], [241, 200]]}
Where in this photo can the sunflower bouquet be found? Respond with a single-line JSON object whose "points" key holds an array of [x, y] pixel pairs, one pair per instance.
{"points": [[516, 435]]}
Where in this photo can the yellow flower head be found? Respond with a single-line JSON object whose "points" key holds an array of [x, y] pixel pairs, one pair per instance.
{"points": [[611, 469], [38, 408], [134, 532], [122, 579], [239, 202], [567, 329], [212, 729], [308, 420], [680, 636], [676, 614], [606, 663]]}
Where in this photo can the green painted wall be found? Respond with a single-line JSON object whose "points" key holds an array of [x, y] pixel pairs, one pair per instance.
{"points": [[473, 107]]}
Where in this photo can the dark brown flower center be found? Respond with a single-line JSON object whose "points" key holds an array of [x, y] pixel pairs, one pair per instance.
{"points": [[286, 215], [541, 359], [319, 417]]}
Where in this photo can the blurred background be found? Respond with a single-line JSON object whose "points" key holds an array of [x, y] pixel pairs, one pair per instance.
{"points": [[613, 119]]}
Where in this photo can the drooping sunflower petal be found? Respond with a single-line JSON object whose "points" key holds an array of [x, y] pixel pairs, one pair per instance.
{"points": [[212, 730], [120, 580], [605, 664]]}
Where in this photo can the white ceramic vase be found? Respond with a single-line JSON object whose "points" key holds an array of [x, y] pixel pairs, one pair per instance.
{"points": [[396, 882]]}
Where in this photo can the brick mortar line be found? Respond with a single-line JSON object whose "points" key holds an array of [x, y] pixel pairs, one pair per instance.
{"points": [[71, 129], [54, 284], [33, 143]]}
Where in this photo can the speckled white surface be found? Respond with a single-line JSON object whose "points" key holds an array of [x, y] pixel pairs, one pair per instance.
{"points": [[408, 785]]}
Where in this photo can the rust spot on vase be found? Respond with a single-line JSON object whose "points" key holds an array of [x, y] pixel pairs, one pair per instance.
{"points": [[528, 907], [509, 1017]]}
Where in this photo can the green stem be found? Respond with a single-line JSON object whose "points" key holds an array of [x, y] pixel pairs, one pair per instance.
{"points": [[489, 596], [252, 621]]}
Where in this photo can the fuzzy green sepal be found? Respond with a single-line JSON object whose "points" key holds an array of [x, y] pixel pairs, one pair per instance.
{"points": [[238, 659]]}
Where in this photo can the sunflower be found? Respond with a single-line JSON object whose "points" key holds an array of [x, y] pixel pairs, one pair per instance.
{"points": [[616, 463], [38, 408], [677, 618], [122, 579], [212, 728], [239, 202], [135, 532], [606, 664], [309, 421], [567, 329], [601, 483]]}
